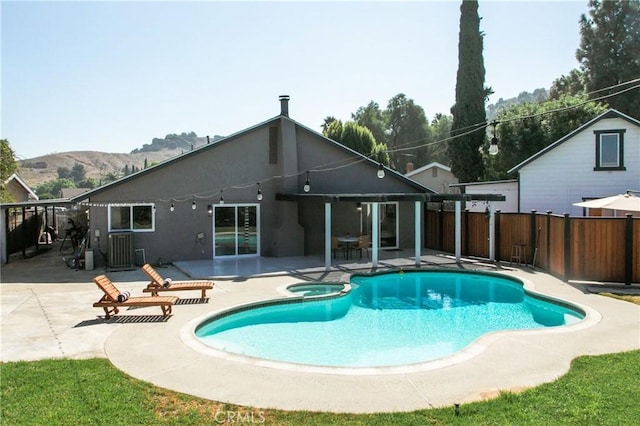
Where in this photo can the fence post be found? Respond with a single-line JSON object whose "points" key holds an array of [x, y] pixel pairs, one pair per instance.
{"points": [[567, 247], [628, 249], [441, 229], [466, 233], [496, 224], [548, 240], [532, 234]]}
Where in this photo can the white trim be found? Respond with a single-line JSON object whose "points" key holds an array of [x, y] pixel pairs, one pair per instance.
{"points": [[131, 206]]}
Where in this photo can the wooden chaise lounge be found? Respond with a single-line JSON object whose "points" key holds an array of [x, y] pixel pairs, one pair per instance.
{"points": [[109, 301], [157, 283]]}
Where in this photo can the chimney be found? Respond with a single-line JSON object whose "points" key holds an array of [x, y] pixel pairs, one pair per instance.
{"points": [[284, 105], [409, 167]]}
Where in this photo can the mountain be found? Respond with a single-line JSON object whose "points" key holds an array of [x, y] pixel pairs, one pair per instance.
{"points": [[38, 170]]}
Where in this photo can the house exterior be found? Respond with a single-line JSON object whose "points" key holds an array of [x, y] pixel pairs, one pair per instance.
{"points": [[599, 159], [20, 191], [434, 176], [508, 188], [263, 191]]}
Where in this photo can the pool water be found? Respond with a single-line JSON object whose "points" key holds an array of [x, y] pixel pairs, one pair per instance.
{"points": [[386, 320]]}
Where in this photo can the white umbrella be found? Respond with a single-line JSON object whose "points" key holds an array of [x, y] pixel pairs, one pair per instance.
{"points": [[626, 202]]}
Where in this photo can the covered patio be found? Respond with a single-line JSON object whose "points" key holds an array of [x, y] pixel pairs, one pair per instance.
{"points": [[419, 202]]}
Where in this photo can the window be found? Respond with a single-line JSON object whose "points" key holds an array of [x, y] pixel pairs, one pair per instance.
{"points": [[138, 218], [609, 150]]}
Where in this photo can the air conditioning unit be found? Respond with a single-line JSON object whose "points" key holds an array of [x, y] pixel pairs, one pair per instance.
{"points": [[121, 254]]}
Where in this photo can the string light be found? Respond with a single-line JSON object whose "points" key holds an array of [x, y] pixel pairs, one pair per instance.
{"points": [[493, 148], [307, 184], [259, 195], [405, 147], [171, 208], [193, 204], [222, 196]]}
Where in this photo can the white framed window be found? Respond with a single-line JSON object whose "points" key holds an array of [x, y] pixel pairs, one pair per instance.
{"points": [[609, 150], [132, 217]]}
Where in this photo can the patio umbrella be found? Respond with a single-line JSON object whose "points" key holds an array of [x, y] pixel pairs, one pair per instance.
{"points": [[625, 202]]}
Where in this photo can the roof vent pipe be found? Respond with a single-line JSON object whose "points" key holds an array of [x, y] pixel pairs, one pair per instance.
{"points": [[284, 105]]}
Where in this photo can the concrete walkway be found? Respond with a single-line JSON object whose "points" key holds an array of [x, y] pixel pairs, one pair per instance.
{"points": [[46, 312]]}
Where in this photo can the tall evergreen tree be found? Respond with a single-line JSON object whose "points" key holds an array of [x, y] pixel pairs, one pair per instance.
{"points": [[609, 52], [469, 116]]}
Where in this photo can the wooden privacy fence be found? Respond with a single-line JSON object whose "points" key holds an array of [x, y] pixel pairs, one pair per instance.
{"points": [[571, 248]]}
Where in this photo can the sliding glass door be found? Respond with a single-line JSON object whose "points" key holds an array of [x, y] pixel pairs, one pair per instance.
{"points": [[235, 230]]}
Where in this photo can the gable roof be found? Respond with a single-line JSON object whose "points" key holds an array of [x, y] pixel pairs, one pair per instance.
{"points": [[611, 113], [235, 136], [30, 194], [427, 167]]}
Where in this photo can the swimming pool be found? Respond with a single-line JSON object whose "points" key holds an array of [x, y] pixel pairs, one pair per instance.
{"points": [[385, 319]]}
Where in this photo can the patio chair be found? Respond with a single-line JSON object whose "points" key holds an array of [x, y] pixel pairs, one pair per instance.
{"points": [[364, 242], [158, 283], [112, 299], [336, 247]]}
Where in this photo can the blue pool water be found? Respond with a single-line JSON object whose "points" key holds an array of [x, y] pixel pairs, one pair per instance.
{"points": [[386, 320]]}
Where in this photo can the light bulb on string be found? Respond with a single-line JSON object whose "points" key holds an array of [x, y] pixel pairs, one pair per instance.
{"points": [[172, 208], [380, 171], [493, 147], [307, 184], [221, 196], [259, 195], [193, 204]]}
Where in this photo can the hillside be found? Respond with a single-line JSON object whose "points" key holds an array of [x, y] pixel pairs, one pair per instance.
{"points": [[38, 170]]}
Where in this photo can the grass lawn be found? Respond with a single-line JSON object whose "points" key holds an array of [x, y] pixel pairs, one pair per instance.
{"points": [[602, 390]]}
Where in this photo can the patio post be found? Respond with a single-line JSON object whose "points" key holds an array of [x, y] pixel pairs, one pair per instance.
{"points": [[418, 221], [492, 234], [327, 236], [375, 233], [458, 230]]}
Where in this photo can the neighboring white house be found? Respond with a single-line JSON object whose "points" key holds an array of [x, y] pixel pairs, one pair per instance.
{"points": [[434, 176], [508, 188], [18, 188], [599, 159]]}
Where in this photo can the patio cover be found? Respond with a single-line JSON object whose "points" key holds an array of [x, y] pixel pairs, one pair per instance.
{"points": [[626, 202]]}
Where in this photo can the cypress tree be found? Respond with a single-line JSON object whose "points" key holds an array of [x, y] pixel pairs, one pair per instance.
{"points": [[469, 110]]}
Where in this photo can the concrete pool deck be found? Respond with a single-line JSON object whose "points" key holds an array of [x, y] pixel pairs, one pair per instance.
{"points": [[46, 312]]}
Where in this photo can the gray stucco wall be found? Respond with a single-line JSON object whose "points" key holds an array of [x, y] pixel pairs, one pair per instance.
{"points": [[288, 228]]}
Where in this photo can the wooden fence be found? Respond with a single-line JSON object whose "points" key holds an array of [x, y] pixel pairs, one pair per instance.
{"points": [[571, 248]]}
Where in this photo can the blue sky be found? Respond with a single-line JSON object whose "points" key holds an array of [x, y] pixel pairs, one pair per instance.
{"points": [[111, 76]]}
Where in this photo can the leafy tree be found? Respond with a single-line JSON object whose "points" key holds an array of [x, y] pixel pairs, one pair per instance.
{"points": [[372, 118], [440, 130], [569, 85], [87, 183], [408, 133], [358, 138], [7, 167], [327, 122], [525, 129], [64, 173], [609, 52], [52, 189], [469, 116], [78, 173]]}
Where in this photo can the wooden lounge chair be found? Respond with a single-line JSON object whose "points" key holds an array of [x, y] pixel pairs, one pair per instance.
{"points": [[157, 283], [109, 301]]}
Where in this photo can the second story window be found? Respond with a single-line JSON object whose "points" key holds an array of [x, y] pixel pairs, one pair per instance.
{"points": [[609, 150]]}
